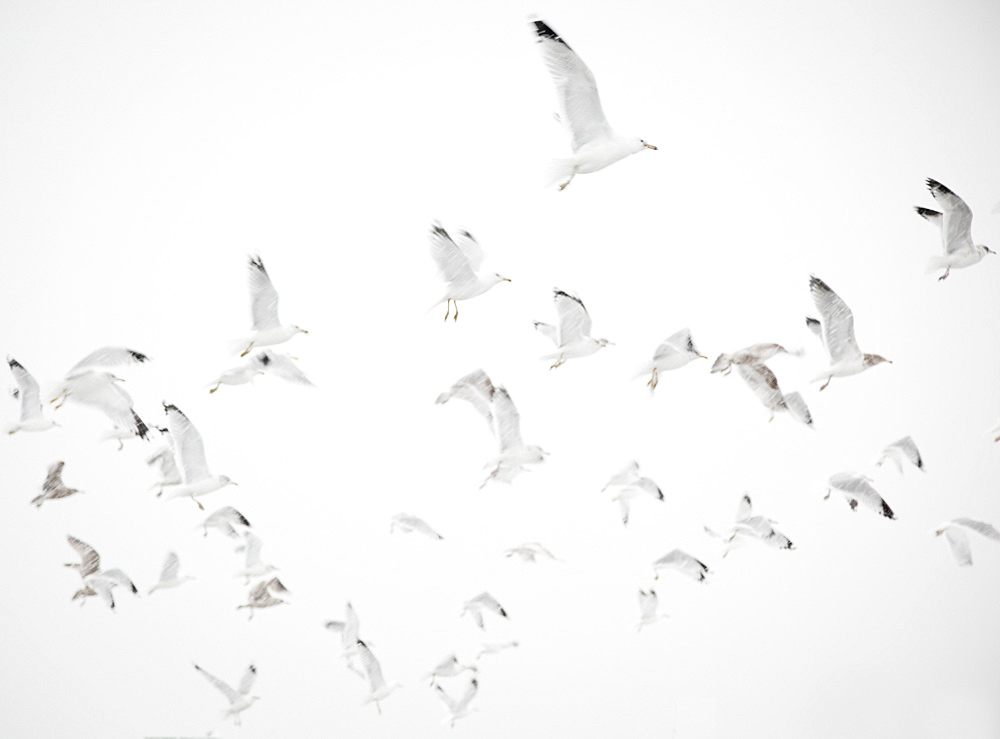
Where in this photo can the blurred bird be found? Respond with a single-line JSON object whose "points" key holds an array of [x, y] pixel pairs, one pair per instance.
{"points": [[349, 637], [958, 540], [630, 485], [838, 335], [228, 520], [449, 667], [170, 576], [458, 708], [673, 353], [750, 527], [759, 378], [514, 453], [904, 450], [482, 602], [196, 479], [955, 225], [239, 700], [32, 418], [254, 566], [858, 488], [595, 145], [683, 563], [572, 337], [407, 524], [649, 602], [748, 355], [457, 263], [267, 327], [379, 689], [530, 551], [95, 580], [265, 595], [477, 388], [53, 487]]}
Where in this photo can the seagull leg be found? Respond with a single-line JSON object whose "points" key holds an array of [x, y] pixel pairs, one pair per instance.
{"points": [[558, 362], [827, 382], [456, 311], [654, 380], [564, 185], [247, 350], [198, 502], [946, 273]]}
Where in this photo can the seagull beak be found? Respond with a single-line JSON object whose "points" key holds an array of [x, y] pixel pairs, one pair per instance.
{"points": [[650, 146], [303, 331], [233, 482], [702, 356], [505, 279]]}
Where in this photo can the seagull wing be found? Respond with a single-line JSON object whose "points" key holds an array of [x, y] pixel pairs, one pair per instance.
{"points": [[263, 297], [448, 700], [508, 421], [463, 702], [31, 404], [574, 321], [579, 104], [471, 249], [679, 342], [109, 356], [908, 448], [744, 510], [629, 473], [764, 384], [452, 262], [371, 667], [171, 566], [798, 408], [231, 695], [168, 466], [188, 445], [861, 489], [487, 601], [91, 560], [959, 543], [549, 331], [280, 365], [477, 388], [980, 526], [53, 480], [838, 322], [957, 216], [246, 684]]}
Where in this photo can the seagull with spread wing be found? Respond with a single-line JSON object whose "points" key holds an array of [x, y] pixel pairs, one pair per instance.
{"points": [[958, 540], [32, 418], [629, 485], [675, 352], [595, 145], [267, 327], [53, 487], [458, 261], [239, 700], [955, 224], [572, 335], [858, 488], [189, 450]]}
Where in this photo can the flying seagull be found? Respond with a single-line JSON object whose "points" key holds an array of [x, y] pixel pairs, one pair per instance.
{"points": [[449, 667], [858, 488], [170, 576], [379, 691], [265, 594], [649, 602], [196, 479], [673, 353], [514, 453], [267, 327], [595, 145], [482, 602], [95, 580], [838, 335], [407, 524], [239, 700], [630, 485], [955, 224], [31, 403], [530, 551], [228, 520], [53, 487], [457, 263], [954, 532], [477, 388], [348, 630], [751, 527], [759, 378], [683, 563], [458, 708], [755, 353], [572, 336]]}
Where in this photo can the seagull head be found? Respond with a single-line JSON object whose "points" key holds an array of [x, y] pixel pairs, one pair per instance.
{"points": [[601, 343], [872, 359], [224, 479]]}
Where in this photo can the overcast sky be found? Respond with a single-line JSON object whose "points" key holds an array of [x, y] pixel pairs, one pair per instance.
{"points": [[148, 147]]}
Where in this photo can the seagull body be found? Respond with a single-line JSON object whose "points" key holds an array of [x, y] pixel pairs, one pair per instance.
{"points": [[32, 418], [904, 450], [458, 708], [407, 524], [53, 487], [189, 451], [572, 337], [514, 453], [955, 224], [675, 352], [594, 144], [759, 378], [457, 263], [239, 700], [838, 335], [530, 551], [683, 563], [958, 541], [483, 602], [267, 327], [378, 687], [265, 594], [630, 485], [858, 488], [88, 384], [649, 602], [170, 576], [477, 388]]}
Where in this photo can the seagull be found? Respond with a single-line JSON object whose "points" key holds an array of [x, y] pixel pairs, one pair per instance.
{"points": [[349, 638], [169, 575], [631, 486], [87, 383], [858, 487], [954, 532], [457, 263], [514, 453], [267, 327], [748, 355], [449, 667], [264, 595], [594, 144], [482, 602], [165, 460], [190, 452], [280, 365], [838, 335], [240, 700], [254, 565], [904, 450], [759, 378], [458, 708], [53, 487], [31, 404], [407, 523], [760, 528], [241, 375], [495, 648], [90, 560], [529, 551], [673, 353], [228, 520], [477, 388], [379, 690], [95, 580], [955, 225], [572, 337], [683, 563], [648, 603]]}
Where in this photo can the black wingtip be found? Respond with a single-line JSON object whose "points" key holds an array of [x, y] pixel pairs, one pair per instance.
{"points": [[887, 511], [138, 356], [141, 429], [14, 363], [543, 31], [257, 263]]}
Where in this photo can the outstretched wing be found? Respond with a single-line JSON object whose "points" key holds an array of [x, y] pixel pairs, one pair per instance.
{"points": [[109, 356], [452, 262], [957, 216], [90, 559], [188, 446], [838, 322], [508, 421], [231, 695], [574, 321], [263, 297]]}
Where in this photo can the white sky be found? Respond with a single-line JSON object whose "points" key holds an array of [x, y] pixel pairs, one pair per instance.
{"points": [[148, 147]]}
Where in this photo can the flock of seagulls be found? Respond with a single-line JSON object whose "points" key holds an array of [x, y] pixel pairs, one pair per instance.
{"points": [[185, 473]]}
